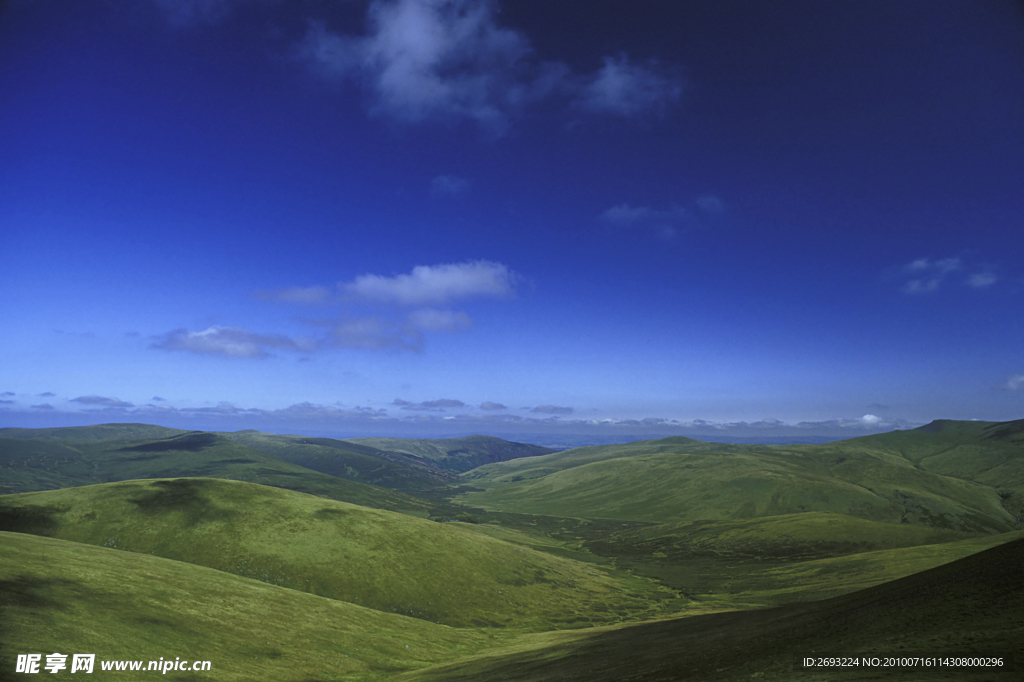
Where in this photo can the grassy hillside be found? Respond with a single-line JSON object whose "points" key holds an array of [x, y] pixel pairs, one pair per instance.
{"points": [[991, 453], [378, 559], [811, 535], [678, 479], [352, 461], [99, 432], [457, 454], [972, 606], [68, 597], [46, 459]]}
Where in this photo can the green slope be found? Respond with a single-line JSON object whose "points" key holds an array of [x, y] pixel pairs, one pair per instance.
{"points": [[991, 453], [457, 454], [46, 459], [99, 432], [60, 596], [378, 559], [811, 535], [678, 479], [352, 461], [973, 606]]}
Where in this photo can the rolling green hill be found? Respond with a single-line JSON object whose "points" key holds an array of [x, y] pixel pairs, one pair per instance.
{"points": [[575, 553], [61, 596], [375, 558], [47, 459], [990, 453], [796, 537], [457, 454], [678, 479], [344, 459], [973, 606]]}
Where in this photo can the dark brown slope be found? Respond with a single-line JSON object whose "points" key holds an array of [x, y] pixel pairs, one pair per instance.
{"points": [[971, 606]]}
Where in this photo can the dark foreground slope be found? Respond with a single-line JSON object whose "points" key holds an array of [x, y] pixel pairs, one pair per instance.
{"points": [[972, 606], [457, 454]]}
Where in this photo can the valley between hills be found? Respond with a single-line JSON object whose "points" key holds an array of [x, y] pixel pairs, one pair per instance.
{"points": [[286, 557]]}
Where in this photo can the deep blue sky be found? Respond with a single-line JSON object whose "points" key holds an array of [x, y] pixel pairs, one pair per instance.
{"points": [[433, 217]]}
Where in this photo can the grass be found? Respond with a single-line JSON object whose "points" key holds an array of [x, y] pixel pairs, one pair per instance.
{"points": [[61, 458], [382, 560], [677, 479], [654, 560], [973, 606], [457, 454], [60, 596], [351, 461]]}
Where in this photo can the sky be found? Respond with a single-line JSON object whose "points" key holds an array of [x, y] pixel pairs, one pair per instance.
{"points": [[568, 222]]}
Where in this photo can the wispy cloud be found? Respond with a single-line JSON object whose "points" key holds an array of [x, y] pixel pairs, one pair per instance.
{"points": [[428, 405], [232, 342], [552, 409], [488, 405], [434, 284], [428, 59], [101, 401], [1015, 382], [982, 280], [450, 60], [48, 394], [425, 285], [665, 222], [8, 393], [448, 186], [709, 204], [46, 407], [631, 90], [925, 276]]}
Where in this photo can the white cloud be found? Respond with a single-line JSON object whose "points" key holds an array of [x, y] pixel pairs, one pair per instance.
{"points": [[552, 409], [424, 60], [709, 204], [871, 419], [101, 401], [233, 342], [630, 90], [665, 222], [982, 280], [429, 59], [434, 284], [448, 185], [929, 275], [428, 405], [1015, 382]]}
